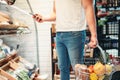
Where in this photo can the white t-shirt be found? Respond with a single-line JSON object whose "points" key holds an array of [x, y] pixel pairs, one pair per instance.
{"points": [[70, 16]]}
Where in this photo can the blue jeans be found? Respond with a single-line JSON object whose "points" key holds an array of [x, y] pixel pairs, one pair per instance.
{"points": [[70, 49]]}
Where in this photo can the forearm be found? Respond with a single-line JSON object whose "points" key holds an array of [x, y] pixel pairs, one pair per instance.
{"points": [[52, 17], [91, 20], [40, 18]]}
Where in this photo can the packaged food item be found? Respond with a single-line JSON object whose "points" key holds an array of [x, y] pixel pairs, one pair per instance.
{"points": [[81, 72]]}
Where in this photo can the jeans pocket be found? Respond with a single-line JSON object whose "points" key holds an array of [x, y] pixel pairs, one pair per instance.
{"points": [[76, 33]]}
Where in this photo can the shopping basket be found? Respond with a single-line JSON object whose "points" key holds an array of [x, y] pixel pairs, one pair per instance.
{"points": [[81, 70]]}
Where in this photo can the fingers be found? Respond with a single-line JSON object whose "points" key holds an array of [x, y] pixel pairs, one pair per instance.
{"points": [[92, 44], [10, 2], [37, 17]]}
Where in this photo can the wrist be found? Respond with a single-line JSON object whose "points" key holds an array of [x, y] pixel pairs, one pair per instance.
{"points": [[93, 34]]}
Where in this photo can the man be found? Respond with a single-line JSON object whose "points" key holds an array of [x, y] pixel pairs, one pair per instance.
{"points": [[71, 18]]}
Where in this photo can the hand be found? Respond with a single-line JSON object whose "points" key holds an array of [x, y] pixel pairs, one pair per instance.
{"points": [[93, 42], [10, 2], [38, 18]]}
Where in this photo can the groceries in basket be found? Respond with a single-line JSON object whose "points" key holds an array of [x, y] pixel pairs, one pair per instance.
{"points": [[98, 71]]}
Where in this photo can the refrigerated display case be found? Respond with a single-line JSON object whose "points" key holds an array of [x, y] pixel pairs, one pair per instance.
{"points": [[19, 32]]}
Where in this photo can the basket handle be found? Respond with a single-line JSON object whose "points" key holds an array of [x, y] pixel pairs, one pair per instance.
{"points": [[102, 53]]}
